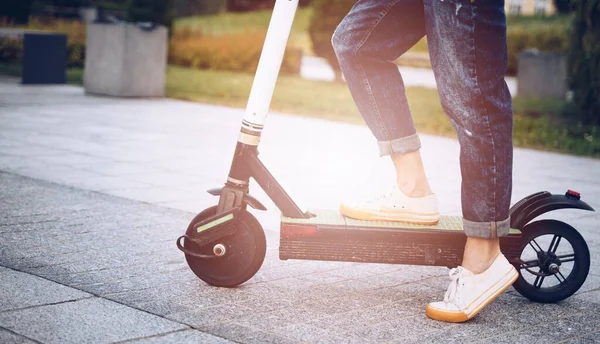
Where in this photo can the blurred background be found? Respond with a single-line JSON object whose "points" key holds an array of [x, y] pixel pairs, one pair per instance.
{"points": [[214, 45]]}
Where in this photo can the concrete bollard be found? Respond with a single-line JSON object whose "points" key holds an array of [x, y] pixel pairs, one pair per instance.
{"points": [[122, 60], [541, 75]]}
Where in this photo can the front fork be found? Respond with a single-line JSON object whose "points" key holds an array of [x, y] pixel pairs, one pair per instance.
{"points": [[246, 164]]}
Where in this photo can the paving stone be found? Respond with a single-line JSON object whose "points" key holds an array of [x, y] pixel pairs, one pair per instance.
{"points": [[123, 250], [311, 334], [592, 282], [362, 318], [558, 329], [592, 296], [13, 338], [88, 320], [277, 300], [362, 286], [417, 291], [553, 331], [586, 339], [477, 329], [275, 319], [207, 316], [517, 312], [21, 290], [185, 336], [398, 329], [321, 278], [244, 334], [343, 304]]}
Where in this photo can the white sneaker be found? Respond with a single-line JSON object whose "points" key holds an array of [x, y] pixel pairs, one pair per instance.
{"points": [[469, 293], [395, 206]]}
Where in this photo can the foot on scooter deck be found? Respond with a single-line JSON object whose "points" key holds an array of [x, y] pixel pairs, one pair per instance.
{"points": [[331, 236]]}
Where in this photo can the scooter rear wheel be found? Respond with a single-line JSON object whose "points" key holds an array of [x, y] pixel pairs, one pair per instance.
{"points": [[555, 261], [244, 252]]}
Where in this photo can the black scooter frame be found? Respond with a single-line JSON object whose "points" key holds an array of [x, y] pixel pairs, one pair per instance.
{"points": [[235, 193], [246, 164]]}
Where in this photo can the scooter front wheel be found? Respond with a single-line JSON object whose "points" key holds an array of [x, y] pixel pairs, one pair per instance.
{"points": [[554, 262], [236, 258]]}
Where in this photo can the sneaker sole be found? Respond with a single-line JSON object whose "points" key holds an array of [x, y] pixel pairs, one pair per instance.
{"points": [[459, 316], [366, 215]]}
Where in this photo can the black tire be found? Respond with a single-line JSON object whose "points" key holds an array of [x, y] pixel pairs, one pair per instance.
{"points": [[245, 252], [573, 281]]}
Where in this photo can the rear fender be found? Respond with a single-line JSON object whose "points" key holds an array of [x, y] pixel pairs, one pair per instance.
{"points": [[539, 203]]}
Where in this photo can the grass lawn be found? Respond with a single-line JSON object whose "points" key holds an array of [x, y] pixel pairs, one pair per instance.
{"points": [[538, 123], [294, 95], [74, 75], [529, 21]]}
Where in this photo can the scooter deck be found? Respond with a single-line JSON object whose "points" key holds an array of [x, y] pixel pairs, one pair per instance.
{"points": [[331, 236]]}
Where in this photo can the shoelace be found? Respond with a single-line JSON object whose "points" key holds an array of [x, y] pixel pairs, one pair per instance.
{"points": [[455, 275]]}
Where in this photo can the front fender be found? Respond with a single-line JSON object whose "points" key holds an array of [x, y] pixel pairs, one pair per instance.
{"points": [[251, 201], [542, 202]]}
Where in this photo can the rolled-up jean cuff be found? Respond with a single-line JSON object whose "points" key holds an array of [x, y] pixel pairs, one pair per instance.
{"points": [[487, 230], [402, 145]]}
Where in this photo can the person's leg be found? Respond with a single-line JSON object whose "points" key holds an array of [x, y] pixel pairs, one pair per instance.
{"points": [[371, 36], [467, 44], [410, 174]]}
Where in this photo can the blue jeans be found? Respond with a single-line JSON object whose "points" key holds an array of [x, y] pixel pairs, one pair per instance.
{"points": [[467, 47]]}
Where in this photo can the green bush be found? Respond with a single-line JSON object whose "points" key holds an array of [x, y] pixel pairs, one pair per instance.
{"points": [[75, 32], [327, 14], [233, 52], [75, 55], [584, 61], [10, 50]]}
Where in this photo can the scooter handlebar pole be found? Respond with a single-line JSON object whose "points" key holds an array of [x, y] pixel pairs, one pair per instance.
{"points": [[270, 63]]}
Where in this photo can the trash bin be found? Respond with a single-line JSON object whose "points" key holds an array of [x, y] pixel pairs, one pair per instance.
{"points": [[44, 58], [125, 60]]}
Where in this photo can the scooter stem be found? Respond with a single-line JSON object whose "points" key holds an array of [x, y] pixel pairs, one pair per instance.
{"points": [[246, 163], [269, 64]]}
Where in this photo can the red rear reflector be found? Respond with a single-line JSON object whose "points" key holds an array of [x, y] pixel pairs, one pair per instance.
{"points": [[297, 231], [573, 194]]}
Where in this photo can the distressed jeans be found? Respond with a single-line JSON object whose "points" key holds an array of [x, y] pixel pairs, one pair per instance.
{"points": [[467, 47]]}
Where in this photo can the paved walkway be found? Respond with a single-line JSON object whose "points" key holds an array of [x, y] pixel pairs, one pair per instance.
{"points": [[316, 68], [87, 248]]}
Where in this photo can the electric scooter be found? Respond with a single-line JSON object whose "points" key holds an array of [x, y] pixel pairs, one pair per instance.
{"points": [[225, 245]]}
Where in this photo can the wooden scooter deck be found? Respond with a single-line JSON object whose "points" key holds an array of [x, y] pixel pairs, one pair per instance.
{"points": [[333, 237]]}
